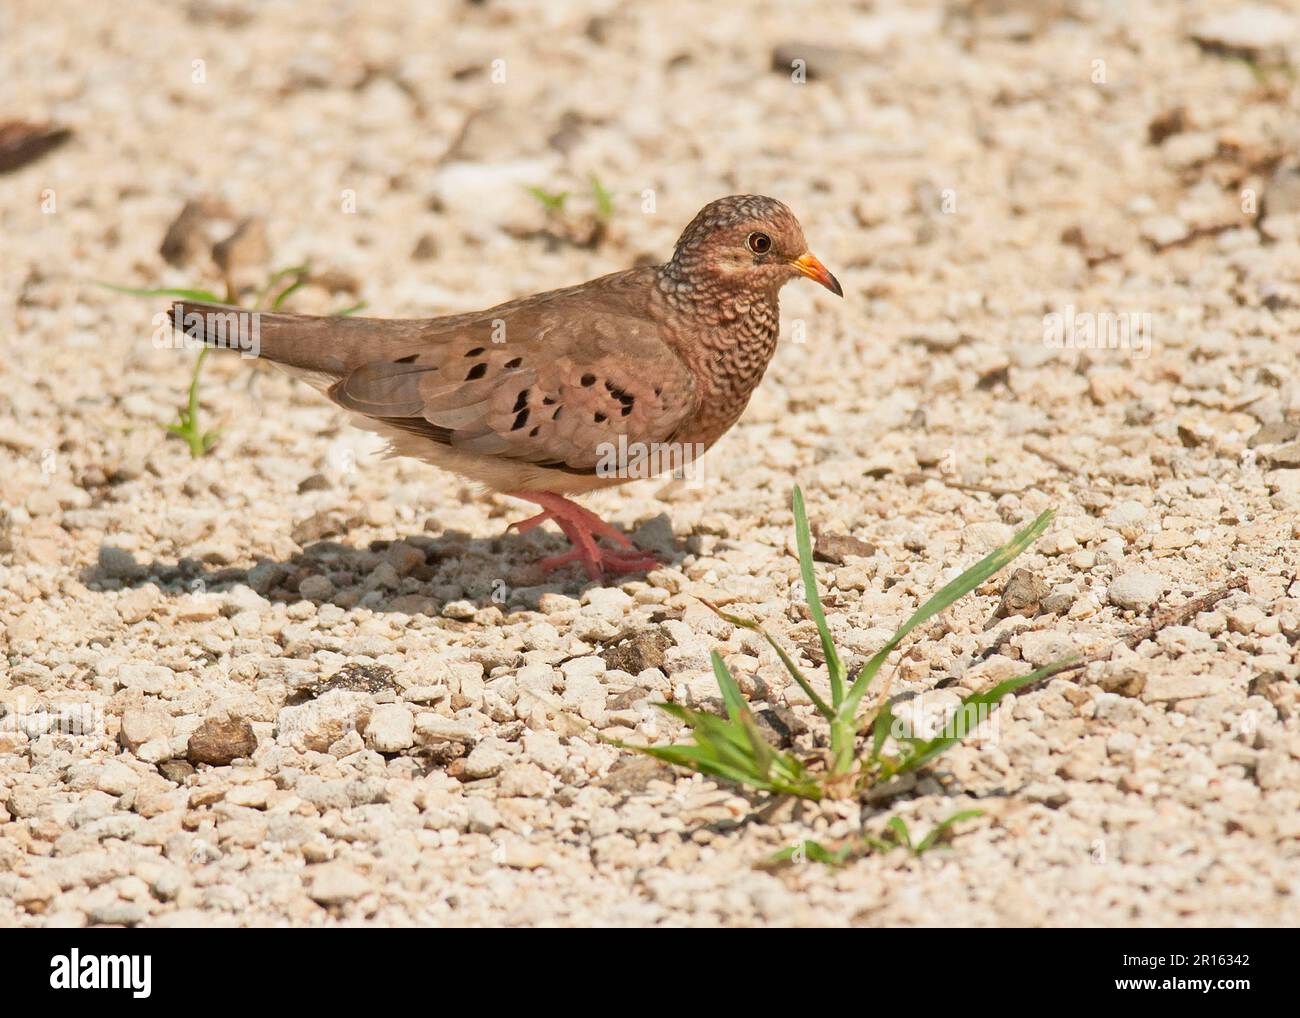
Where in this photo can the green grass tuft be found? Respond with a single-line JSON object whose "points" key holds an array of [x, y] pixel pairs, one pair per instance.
{"points": [[734, 749]]}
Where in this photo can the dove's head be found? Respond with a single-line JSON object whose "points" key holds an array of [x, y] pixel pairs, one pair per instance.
{"points": [[747, 244]]}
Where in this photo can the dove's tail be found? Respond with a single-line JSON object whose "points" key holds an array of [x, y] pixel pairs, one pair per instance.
{"points": [[324, 345]]}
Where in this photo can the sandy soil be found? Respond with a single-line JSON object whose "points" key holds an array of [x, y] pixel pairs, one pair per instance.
{"points": [[319, 686]]}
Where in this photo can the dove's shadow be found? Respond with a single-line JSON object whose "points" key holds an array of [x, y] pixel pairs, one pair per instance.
{"points": [[415, 574]]}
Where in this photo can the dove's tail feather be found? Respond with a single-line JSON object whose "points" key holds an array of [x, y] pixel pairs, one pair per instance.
{"points": [[321, 345]]}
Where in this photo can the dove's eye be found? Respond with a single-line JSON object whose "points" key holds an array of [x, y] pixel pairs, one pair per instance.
{"points": [[759, 243]]}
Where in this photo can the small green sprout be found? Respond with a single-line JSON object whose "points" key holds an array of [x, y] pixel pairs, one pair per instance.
{"points": [[297, 276], [584, 227], [187, 425], [551, 201], [604, 199], [897, 835], [813, 851]]}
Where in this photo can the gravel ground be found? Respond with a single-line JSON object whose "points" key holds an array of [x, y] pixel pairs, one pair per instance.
{"points": [[296, 682]]}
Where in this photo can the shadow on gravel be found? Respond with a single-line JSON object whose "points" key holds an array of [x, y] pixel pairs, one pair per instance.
{"points": [[449, 575]]}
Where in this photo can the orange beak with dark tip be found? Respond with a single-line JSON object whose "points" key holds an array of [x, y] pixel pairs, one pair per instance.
{"points": [[808, 264]]}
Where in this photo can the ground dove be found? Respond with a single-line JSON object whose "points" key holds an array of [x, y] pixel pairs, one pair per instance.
{"points": [[557, 394]]}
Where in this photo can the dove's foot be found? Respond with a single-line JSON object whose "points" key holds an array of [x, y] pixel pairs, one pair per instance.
{"points": [[582, 527], [604, 560]]}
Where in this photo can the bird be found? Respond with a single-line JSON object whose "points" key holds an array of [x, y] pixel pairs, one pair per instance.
{"points": [[555, 394]]}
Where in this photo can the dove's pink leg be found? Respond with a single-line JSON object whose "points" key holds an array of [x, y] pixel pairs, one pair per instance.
{"points": [[582, 527]]}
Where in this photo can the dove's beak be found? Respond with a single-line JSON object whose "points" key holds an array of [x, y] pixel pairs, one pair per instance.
{"points": [[808, 264]]}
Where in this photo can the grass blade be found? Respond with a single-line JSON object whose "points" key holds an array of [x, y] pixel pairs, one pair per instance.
{"points": [[959, 587], [732, 748], [299, 272], [901, 834], [299, 281], [938, 830], [739, 713], [204, 296], [551, 201], [967, 718], [724, 740], [811, 851], [286, 293], [834, 668], [798, 676], [735, 703], [604, 199]]}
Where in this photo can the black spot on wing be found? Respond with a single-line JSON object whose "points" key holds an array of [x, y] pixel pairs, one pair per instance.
{"points": [[622, 395]]}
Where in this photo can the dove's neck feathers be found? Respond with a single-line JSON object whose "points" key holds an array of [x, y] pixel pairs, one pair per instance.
{"points": [[727, 337]]}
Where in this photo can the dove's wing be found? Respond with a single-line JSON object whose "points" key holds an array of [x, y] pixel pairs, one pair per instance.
{"points": [[554, 382]]}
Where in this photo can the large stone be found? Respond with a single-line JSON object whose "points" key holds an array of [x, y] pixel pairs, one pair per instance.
{"points": [[198, 608], [485, 760], [636, 653], [982, 538], [335, 883], [116, 778], [117, 564], [1250, 31], [138, 604], [143, 724], [1043, 648], [1023, 594], [391, 729], [1171, 686], [1136, 591], [839, 548], [145, 677], [319, 724], [1127, 514], [220, 740]]}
